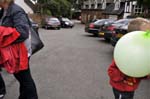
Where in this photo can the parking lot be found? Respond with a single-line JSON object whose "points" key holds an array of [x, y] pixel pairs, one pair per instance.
{"points": [[72, 65]]}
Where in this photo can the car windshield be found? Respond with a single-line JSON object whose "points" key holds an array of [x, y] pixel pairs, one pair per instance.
{"points": [[53, 19], [103, 21], [65, 19], [99, 21], [122, 21]]}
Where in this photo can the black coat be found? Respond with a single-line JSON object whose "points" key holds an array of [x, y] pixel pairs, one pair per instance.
{"points": [[17, 18]]}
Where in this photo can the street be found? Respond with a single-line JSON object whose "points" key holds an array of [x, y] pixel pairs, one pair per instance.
{"points": [[72, 65]]}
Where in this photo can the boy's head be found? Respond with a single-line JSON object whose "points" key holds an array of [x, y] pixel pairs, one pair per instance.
{"points": [[139, 24]]}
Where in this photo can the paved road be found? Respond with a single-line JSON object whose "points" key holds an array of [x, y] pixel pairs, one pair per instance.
{"points": [[72, 65]]}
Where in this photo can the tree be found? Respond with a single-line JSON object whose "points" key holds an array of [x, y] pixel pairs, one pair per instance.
{"points": [[145, 3], [42, 6], [55, 7]]}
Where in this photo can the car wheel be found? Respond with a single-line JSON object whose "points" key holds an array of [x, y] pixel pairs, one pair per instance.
{"points": [[46, 27], [107, 39], [95, 34]]}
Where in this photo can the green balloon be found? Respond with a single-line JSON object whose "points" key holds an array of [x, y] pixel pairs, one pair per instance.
{"points": [[132, 54]]}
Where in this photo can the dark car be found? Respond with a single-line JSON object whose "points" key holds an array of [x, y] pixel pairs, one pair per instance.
{"points": [[34, 25], [119, 32], [108, 29], [66, 23], [51, 22], [95, 26]]}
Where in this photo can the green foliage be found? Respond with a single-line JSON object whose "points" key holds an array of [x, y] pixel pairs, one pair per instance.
{"points": [[55, 7], [146, 3]]}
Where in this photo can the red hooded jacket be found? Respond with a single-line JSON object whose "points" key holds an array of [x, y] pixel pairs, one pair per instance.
{"points": [[13, 56], [120, 81]]}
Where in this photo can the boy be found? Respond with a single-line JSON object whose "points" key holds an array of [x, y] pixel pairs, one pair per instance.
{"points": [[123, 85]]}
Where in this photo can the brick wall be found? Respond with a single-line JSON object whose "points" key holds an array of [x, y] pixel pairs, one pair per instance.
{"points": [[90, 14]]}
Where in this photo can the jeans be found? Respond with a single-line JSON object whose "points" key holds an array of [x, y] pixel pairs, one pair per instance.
{"points": [[27, 85], [123, 94]]}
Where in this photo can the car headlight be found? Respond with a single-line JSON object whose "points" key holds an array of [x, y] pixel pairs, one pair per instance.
{"points": [[67, 23]]}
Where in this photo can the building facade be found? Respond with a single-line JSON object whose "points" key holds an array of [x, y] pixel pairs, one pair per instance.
{"points": [[115, 9], [93, 9], [133, 9]]}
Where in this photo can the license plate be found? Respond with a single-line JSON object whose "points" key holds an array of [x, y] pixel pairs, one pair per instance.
{"points": [[119, 35], [101, 33], [54, 26]]}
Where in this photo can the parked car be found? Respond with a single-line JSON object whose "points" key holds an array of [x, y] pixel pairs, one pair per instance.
{"points": [[95, 26], [34, 25], [119, 32], [108, 29], [66, 23], [51, 22]]}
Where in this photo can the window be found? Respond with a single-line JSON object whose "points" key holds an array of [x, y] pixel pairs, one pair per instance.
{"points": [[92, 6], [127, 9], [103, 4], [117, 5], [99, 5], [138, 10], [86, 6]]}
